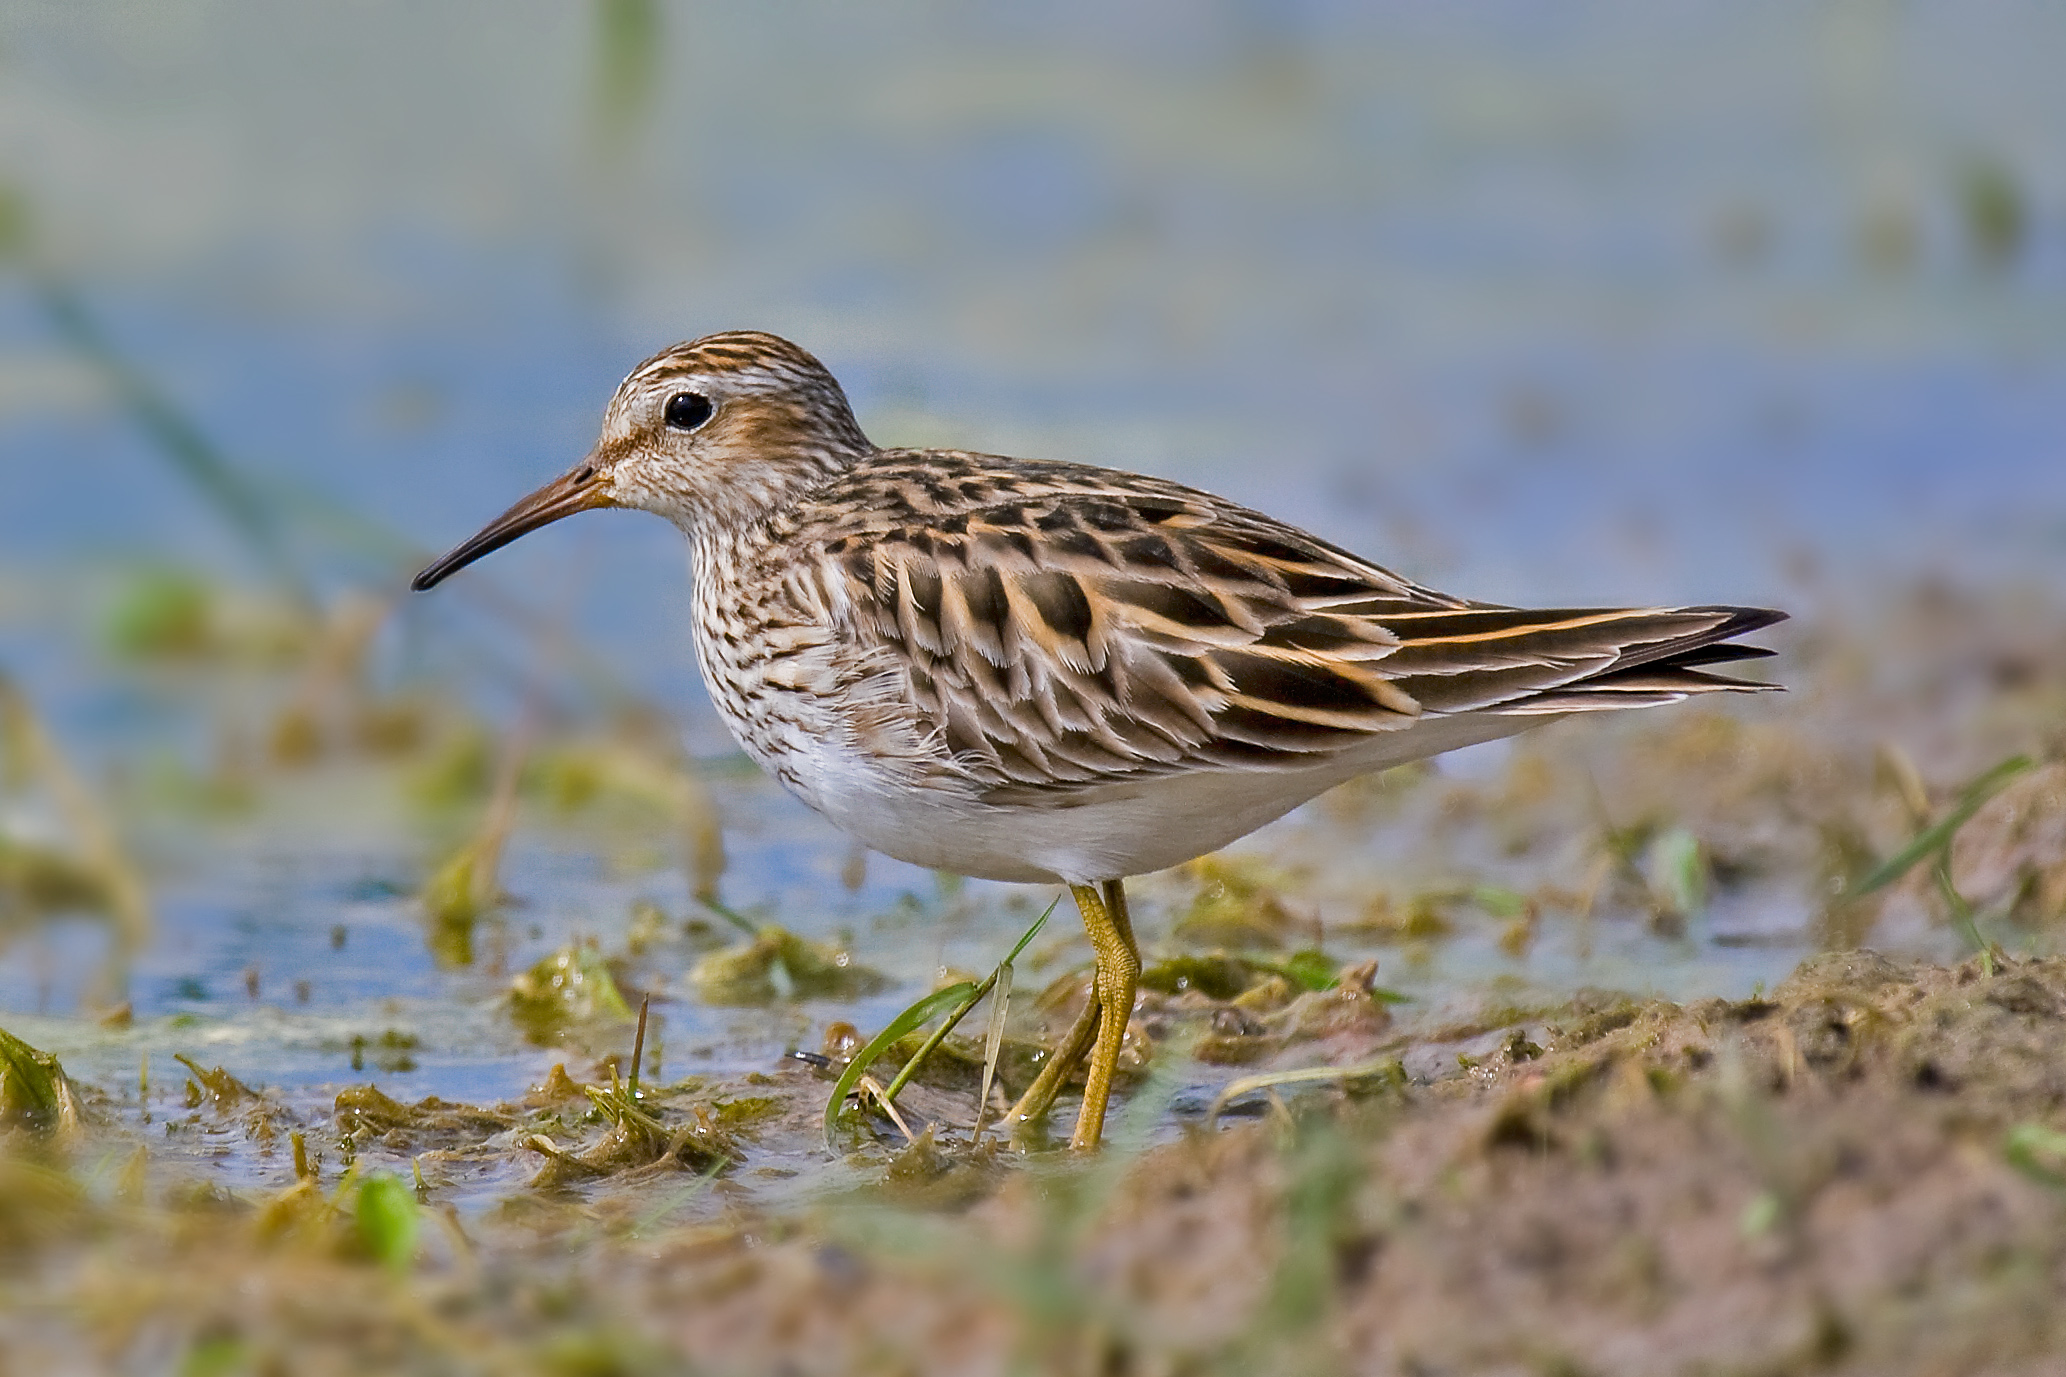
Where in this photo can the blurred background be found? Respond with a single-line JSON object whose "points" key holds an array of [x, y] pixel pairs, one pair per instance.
{"points": [[1593, 302]]}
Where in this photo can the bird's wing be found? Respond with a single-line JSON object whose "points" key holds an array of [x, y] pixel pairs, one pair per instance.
{"points": [[1079, 627]]}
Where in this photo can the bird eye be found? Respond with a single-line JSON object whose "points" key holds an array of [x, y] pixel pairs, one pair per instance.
{"points": [[687, 410]]}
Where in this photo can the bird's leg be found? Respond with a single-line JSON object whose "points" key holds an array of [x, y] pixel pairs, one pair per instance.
{"points": [[1040, 1096], [1119, 972]]}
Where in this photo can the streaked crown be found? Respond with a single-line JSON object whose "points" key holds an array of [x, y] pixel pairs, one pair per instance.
{"points": [[721, 427]]}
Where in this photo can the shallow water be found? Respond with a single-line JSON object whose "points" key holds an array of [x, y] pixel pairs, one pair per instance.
{"points": [[1579, 309]]}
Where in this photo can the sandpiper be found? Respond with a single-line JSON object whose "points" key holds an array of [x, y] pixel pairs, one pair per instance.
{"points": [[1056, 673]]}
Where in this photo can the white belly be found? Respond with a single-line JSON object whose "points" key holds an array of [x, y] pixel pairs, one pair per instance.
{"points": [[1107, 832]]}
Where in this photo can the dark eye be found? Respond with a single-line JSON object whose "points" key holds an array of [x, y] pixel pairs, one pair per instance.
{"points": [[687, 410]]}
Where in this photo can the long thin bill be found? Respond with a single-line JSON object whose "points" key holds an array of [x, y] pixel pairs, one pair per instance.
{"points": [[580, 490]]}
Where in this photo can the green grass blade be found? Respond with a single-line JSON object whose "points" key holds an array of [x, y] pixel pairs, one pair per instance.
{"points": [[1030, 933], [732, 916], [32, 1086], [1939, 834], [966, 993], [953, 1018], [890, 1092], [939, 1035], [917, 1016], [1962, 915], [993, 1040]]}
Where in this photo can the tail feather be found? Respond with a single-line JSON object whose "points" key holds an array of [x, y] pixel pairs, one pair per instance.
{"points": [[1575, 660], [1722, 654]]}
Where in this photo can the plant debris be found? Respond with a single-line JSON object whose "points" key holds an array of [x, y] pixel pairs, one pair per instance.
{"points": [[778, 964], [35, 1093]]}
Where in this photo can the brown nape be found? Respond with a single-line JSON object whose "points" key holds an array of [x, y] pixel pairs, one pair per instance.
{"points": [[780, 425]]}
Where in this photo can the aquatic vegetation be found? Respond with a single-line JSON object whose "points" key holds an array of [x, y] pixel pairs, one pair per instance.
{"points": [[1934, 844], [162, 615], [576, 775], [1228, 976], [35, 1093], [215, 1086], [40, 880], [778, 964], [2038, 1152], [1994, 211], [178, 618], [954, 1000], [1239, 903], [1424, 917], [457, 771], [362, 1111], [92, 871], [1387, 1072], [1675, 868], [466, 885], [1939, 835], [1217, 975], [387, 1219], [570, 989]]}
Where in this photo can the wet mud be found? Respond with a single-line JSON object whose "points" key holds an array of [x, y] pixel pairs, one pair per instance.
{"points": [[1857, 1171]]}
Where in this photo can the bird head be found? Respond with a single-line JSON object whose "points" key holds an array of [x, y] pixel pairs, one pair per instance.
{"points": [[718, 431]]}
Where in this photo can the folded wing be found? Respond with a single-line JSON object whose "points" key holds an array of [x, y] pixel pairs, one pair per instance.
{"points": [[1093, 627]]}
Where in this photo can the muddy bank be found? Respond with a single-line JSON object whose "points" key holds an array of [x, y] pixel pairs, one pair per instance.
{"points": [[1857, 1173], [1860, 1171]]}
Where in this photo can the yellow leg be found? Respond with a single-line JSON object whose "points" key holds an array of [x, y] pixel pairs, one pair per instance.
{"points": [[1040, 1096], [1119, 972]]}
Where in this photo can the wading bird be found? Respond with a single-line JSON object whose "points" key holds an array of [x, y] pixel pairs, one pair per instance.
{"points": [[1055, 673]]}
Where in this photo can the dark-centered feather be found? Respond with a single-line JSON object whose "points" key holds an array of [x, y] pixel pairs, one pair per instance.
{"points": [[1066, 626]]}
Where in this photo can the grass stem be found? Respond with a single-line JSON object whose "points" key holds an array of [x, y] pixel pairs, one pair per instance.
{"points": [[638, 1044]]}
